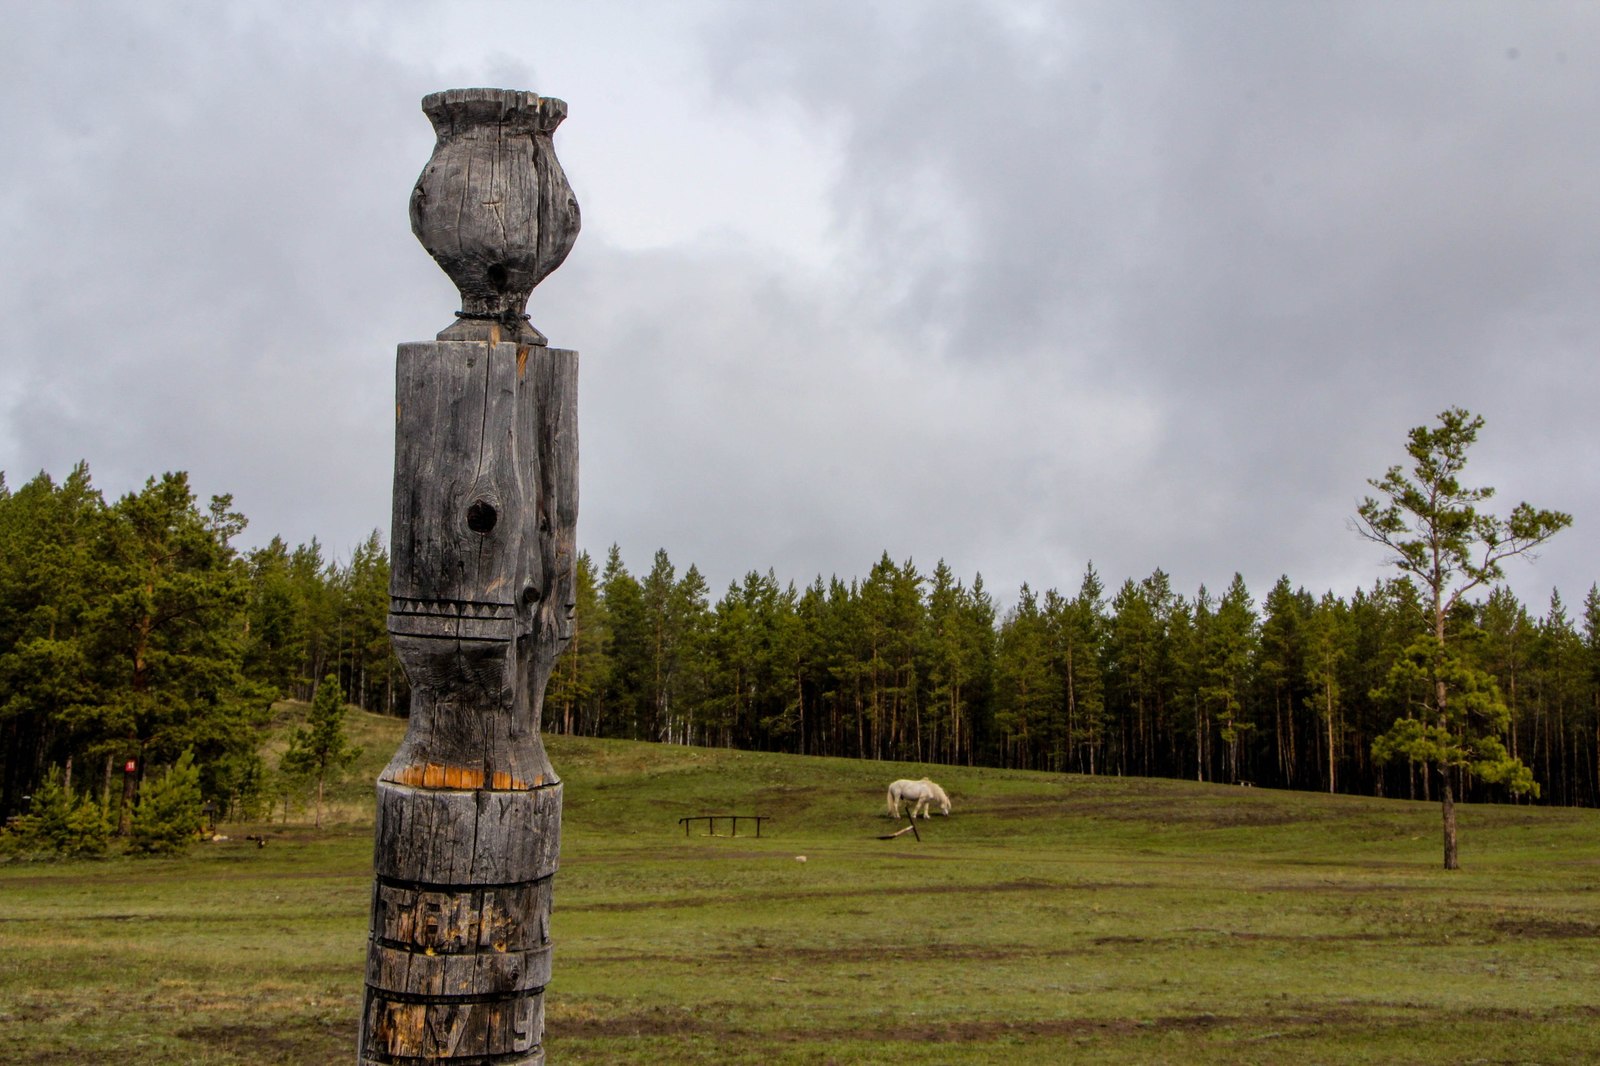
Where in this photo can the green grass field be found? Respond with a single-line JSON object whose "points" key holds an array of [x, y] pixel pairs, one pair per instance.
{"points": [[1050, 919]]}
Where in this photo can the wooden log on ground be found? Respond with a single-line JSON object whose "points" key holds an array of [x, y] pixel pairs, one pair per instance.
{"points": [[911, 827]]}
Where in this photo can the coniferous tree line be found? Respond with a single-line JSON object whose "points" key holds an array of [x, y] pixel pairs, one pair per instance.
{"points": [[133, 631], [1287, 691]]}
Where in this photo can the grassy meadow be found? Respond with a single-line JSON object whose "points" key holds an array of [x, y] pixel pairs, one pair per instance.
{"points": [[1052, 918]]}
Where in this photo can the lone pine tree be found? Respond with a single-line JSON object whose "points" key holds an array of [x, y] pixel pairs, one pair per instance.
{"points": [[319, 749], [1432, 525]]}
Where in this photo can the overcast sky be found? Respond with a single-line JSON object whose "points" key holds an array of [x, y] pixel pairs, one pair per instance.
{"points": [[1015, 285]]}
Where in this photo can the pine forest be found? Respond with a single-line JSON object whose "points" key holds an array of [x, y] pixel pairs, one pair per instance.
{"points": [[134, 631]]}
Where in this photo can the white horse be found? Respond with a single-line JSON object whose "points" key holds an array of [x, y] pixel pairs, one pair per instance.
{"points": [[919, 794]]}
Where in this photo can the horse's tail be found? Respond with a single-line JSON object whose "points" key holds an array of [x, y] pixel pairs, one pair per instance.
{"points": [[894, 807]]}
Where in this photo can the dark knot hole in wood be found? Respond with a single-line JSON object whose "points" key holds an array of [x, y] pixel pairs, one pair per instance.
{"points": [[497, 276], [481, 517]]}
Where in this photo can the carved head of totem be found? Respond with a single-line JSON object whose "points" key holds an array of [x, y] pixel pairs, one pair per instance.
{"points": [[493, 206]]}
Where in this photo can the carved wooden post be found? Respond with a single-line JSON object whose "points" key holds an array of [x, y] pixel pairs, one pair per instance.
{"points": [[485, 513]]}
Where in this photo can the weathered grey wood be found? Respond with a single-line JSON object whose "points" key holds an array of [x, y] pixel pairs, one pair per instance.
{"points": [[441, 833], [493, 206], [483, 574]]}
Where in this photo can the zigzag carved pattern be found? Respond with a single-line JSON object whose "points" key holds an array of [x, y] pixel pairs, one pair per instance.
{"points": [[451, 608]]}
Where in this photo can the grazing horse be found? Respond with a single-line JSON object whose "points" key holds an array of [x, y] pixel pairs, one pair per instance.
{"points": [[919, 794]]}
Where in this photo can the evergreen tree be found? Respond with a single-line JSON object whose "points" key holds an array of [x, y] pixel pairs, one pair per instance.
{"points": [[736, 649], [315, 581], [1588, 665], [573, 697], [168, 817], [59, 823], [844, 640], [891, 611], [811, 671], [1555, 686], [1083, 632], [1281, 673], [1228, 650], [1432, 526], [319, 751], [781, 693], [1327, 643], [277, 621], [956, 650], [1502, 641], [49, 581], [1133, 672], [373, 678], [1027, 690], [167, 637], [675, 615], [626, 705]]}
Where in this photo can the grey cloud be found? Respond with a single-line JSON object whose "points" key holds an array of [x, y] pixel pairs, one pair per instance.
{"points": [[1148, 284], [1297, 229]]}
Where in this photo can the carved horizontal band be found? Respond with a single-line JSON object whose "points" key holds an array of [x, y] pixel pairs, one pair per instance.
{"points": [[475, 1030], [396, 972], [532, 1057], [459, 940], [458, 1001], [435, 886], [452, 620], [405, 606]]}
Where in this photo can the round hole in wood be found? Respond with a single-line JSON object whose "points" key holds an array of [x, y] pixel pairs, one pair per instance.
{"points": [[481, 516]]}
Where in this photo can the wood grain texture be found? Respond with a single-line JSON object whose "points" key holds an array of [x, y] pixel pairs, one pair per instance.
{"points": [[468, 831], [493, 206]]}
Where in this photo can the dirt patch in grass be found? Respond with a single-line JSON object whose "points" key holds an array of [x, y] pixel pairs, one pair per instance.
{"points": [[908, 855], [1213, 815], [984, 1032], [657, 1023], [951, 952], [746, 898], [1353, 888], [666, 1022], [276, 1043], [53, 1058], [1295, 1022], [1545, 928]]}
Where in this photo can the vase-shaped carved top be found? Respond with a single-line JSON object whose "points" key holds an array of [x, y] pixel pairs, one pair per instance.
{"points": [[493, 206]]}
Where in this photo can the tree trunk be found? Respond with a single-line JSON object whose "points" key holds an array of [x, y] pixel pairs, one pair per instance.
{"points": [[130, 784], [1447, 803], [1333, 758]]}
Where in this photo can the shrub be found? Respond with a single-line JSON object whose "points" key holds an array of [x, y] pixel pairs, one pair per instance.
{"points": [[58, 823], [168, 818]]}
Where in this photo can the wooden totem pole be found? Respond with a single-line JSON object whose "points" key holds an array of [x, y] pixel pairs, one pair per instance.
{"points": [[485, 512]]}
